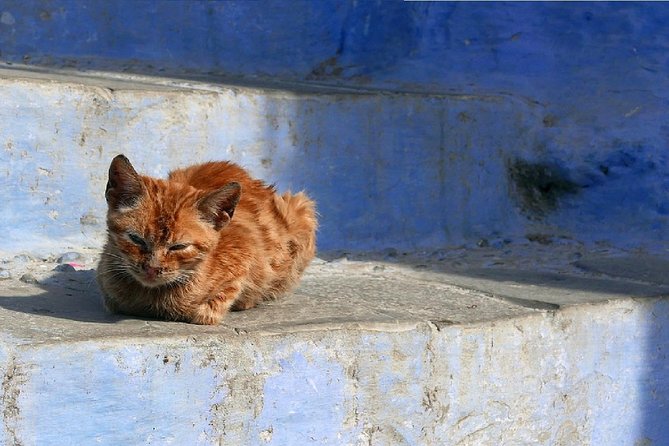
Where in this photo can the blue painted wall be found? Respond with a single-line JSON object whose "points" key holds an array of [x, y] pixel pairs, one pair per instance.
{"points": [[536, 49], [596, 73]]}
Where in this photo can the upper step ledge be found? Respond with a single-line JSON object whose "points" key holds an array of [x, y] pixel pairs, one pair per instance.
{"points": [[220, 83]]}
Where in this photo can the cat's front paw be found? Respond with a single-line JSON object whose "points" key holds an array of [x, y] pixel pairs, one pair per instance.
{"points": [[211, 312], [206, 317], [243, 304]]}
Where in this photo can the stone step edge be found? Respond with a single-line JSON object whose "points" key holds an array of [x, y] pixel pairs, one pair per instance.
{"points": [[260, 85]]}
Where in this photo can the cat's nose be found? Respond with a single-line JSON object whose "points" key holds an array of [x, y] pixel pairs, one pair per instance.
{"points": [[151, 272]]}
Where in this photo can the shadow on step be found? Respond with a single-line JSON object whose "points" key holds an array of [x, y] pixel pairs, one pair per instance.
{"points": [[72, 295]]}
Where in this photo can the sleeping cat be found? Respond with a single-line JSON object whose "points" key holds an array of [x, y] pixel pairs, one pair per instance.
{"points": [[207, 240]]}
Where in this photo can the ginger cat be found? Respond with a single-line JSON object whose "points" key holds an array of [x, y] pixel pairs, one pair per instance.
{"points": [[207, 240]]}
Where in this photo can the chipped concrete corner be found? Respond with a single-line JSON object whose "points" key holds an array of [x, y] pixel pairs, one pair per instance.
{"points": [[514, 381]]}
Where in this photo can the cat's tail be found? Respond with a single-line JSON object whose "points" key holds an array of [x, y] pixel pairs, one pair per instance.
{"points": [[299, 213]]}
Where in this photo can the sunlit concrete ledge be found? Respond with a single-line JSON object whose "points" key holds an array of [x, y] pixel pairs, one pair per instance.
{"points": [[364, 352]]}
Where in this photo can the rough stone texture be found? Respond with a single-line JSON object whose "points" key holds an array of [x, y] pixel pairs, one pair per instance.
{"points": [[364, 352]]}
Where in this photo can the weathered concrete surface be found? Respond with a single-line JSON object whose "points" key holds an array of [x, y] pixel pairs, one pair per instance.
{"points": [[364, 352]]}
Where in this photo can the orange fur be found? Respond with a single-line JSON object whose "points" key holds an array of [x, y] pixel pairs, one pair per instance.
{"points": [[208, 239]]}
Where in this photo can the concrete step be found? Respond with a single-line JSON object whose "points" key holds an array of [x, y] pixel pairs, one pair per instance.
{"points": [[365, 155], [391, 349]]}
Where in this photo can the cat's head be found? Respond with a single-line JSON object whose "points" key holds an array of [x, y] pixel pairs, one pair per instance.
{"points": [[162, 229]]}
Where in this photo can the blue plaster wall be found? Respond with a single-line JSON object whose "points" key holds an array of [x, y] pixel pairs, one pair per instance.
{"points": [[538, 49], [597, 72]]}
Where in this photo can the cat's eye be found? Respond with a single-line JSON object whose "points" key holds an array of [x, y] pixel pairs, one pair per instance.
{"points": [[179, 246], [137, 240]]}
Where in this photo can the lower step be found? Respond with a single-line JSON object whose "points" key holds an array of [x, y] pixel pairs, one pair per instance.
{"points": [[364, 352]]}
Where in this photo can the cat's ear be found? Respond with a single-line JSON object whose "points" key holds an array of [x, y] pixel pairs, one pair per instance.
{"points": [[124, 186], [218, 207]]}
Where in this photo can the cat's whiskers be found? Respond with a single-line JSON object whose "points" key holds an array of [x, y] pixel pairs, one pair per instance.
{"points": [[113, 255], [116, 273], [182, 279]]}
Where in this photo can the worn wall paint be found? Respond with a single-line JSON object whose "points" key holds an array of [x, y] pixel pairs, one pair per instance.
{"points": [[169, 390], [587, 375]]}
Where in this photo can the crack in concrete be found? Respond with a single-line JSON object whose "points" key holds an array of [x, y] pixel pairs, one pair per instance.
{"points": [[11, 389]]}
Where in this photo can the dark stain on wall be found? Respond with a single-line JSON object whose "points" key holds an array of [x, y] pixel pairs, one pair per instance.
{"points": [[538, 187]]}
